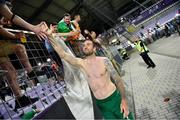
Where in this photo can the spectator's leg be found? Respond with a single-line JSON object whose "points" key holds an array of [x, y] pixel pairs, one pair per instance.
{"points": [[5, 64], [20, 51], [21, 100], [11, 77]]}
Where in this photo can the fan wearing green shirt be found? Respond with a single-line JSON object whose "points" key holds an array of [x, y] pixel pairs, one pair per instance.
{"points": [[65, 26]]}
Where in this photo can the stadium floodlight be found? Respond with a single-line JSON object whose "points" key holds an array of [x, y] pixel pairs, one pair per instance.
{"points": [[39, 64], [48, 60]]}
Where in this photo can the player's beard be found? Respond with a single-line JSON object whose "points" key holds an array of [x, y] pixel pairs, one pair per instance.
{"points": [[88, 53]]}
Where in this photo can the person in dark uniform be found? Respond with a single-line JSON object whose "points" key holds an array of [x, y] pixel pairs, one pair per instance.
{"points": [[141, 47]]}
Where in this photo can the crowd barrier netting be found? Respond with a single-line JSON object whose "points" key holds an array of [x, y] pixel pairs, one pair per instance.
{"points": [[48, 89]]}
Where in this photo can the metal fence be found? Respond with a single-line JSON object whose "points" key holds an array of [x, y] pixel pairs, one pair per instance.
{"points": [[47, 88]]}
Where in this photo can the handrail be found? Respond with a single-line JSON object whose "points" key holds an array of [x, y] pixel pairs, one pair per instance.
{"points": [[151, 6], [24, 31]]}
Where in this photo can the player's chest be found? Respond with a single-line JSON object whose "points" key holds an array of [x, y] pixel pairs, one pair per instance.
{"points": [[95, 70]]}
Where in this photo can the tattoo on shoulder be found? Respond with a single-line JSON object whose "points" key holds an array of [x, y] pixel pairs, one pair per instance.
{"points": [[111, 70], [107, 63]]}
